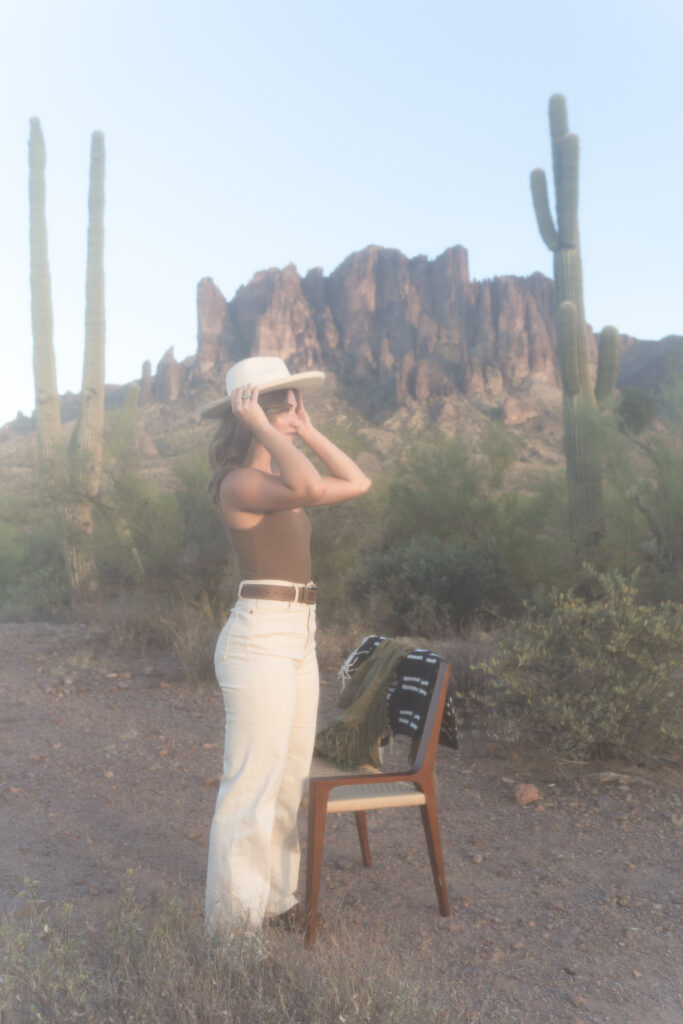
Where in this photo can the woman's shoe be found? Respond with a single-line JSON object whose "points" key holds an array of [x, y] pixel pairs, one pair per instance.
{"points": [[292, 920]]}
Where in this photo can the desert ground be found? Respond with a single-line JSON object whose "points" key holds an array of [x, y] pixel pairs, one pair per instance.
{"points": [[565, 910]]}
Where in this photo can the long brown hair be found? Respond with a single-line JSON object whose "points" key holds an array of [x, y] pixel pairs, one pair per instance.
{"points": [[233, 445]]}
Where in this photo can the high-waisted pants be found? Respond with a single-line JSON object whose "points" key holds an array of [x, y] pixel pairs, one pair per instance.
{"points": [[268, 674]]}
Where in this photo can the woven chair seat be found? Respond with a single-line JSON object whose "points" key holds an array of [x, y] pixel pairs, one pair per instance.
{"points": [[369, 797], [374, 797]]}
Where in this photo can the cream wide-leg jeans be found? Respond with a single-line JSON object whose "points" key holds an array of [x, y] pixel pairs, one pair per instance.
{"points": [[268, 674]]}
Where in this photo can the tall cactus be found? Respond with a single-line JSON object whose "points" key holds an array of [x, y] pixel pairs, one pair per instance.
{"points": [[71, 483], [85, 450], [580, 404], [48, 419]]}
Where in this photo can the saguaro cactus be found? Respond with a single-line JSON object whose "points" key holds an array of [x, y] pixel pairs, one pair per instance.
{"points": [[72, 484], [580, 405], [48, 420], [86, 443]]}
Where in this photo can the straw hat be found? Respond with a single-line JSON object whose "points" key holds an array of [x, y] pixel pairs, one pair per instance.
{"points": [[267, 373]]}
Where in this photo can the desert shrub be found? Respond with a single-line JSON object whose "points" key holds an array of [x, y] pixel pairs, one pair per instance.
{"points": [[205, 561], [636, 410], [646, 473], [177, 533], [456, 542], [33, 580], [156, 524], [438, 487], [191, 634], [432, 585], [600, 676], [134, 622], [341, 536]]}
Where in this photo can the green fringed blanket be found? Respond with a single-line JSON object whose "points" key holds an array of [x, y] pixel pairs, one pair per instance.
{"points": [[353, 737]]}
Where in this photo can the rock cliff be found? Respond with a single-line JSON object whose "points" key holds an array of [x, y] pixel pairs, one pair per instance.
{"points": [[388, 326]]}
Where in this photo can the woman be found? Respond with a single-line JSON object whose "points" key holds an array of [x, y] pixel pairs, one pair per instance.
{"points": [[265, 656]]}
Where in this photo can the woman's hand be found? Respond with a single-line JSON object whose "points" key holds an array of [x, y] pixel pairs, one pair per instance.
{"points": [[245, 406]]}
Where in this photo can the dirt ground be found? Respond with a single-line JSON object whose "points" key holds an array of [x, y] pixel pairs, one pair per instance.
{"points": [[565, 910]]}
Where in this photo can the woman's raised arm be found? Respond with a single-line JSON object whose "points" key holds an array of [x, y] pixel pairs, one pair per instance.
{"points": [[347, 480]]}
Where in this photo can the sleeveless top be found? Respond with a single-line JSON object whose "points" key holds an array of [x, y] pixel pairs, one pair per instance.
{"points": [[277, 548]]}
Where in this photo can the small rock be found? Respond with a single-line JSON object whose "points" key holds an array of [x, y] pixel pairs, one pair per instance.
{"points": [[507, 781], [579, 1002], [637, 974], [526, 793], [477, 858]]}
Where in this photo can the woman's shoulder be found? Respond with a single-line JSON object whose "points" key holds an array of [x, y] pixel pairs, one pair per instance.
{"points": [[240, 496], [242, 476]]}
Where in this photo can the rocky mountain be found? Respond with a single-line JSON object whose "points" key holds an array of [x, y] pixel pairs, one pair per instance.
{"points": [[390, 329]]}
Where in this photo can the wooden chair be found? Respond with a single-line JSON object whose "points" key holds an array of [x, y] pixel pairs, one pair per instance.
{"points": [[331, 791]]}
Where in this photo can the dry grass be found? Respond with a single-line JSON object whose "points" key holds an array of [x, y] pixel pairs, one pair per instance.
{"points": [[162, 969]]}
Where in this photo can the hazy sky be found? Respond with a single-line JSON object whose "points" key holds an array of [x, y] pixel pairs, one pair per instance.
{"points": [[246, 135]]}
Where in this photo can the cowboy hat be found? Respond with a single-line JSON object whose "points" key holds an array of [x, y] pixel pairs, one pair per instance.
{"points": [[267, 373]]}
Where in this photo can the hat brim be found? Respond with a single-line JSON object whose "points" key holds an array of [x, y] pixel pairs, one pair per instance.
{"points": [[307, 381]]}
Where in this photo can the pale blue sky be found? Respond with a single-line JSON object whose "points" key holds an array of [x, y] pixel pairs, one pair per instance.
{"points": [[243, 135]]}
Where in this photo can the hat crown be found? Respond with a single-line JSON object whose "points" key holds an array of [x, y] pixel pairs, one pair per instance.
{"points": [[257, 370], [267, 373]]}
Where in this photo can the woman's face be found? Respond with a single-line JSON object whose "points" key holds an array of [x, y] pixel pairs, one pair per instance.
{"points": [[285, 418]]}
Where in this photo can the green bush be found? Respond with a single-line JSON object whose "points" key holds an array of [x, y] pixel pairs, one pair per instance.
{"points": [[33, 580], [431, 585], [598, 677], [646, 476]]}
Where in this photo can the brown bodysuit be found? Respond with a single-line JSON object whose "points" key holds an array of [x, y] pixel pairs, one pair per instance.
{"points": [[277, 548]]}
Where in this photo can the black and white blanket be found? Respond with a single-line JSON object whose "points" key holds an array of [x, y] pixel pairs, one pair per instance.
{"points": [[408, 694]]}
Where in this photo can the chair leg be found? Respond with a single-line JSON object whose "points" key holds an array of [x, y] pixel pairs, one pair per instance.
{"points": [[430, 823], [362, 826], [317, 816]]}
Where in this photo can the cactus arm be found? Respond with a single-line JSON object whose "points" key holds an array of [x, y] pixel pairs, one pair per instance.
{"points": [[608, 363], [567, 337], [544, 218]]}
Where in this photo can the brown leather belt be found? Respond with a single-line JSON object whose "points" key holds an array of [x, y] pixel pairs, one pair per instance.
{"points": [[298, 592]]}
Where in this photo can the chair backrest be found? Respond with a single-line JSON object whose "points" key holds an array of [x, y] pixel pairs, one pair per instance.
{"points": [[425, 757]]}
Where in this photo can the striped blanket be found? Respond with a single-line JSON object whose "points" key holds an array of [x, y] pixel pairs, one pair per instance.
{"points": [[409, 692]]}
